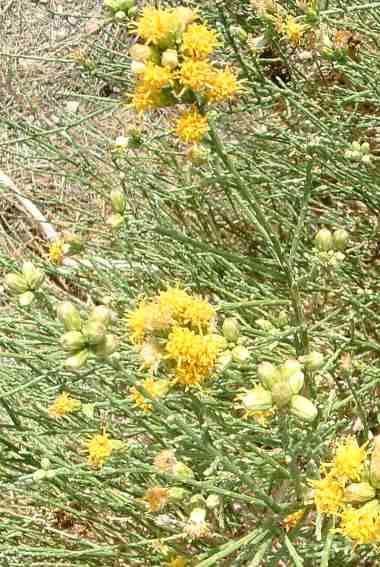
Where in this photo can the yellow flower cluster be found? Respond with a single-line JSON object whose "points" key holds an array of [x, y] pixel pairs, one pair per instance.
{"points": [[100, 448], [172, 67], [347, 492], [63, 405], [175, 329]]}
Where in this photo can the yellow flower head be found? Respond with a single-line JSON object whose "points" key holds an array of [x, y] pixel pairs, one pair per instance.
{"points": [[195, 356], [144, 99], [186, 309], [362, 525], [63, 405], [328, 495], [155, 388], [293, 30], [147, 318], [223, 85], [198, 41], [178, 562], [196, 75], [56, 251], [156, 498], [191, 126], [349, 459], [100, 448], [158, 26], [156, 77]]}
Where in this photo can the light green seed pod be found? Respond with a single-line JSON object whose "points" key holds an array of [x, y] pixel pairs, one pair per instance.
{"points": [[15, 283], [69, 315], [281, 393], [73, 341], [314, 360], [359, 492], [303, 408], [115, 221], [340, 238], [102, 314], [296, 382], [290, 367], [268, 374], [256, 400]]}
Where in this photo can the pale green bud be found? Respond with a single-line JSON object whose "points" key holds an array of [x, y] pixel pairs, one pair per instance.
{"points": [[77, 361], [303, 408], [213, 501], [169, 58], [69, 315], [359, 492], [231, 329], [140, 52], [39, 475], [26, 298], [73, 341], [356, 146], [133, 11], [45, 464], [33, 276], [340, 238], [107, 347], [290, 367], [102, 314], [268, 374], [224, 360], [283, 319], [314, 360], [367, 159], [324, 240], [118, 201], [240, 354], [137, 68], [120, 15], [296, 382], [356, 155], [198, 515], [264, 324], [119, 5], [281, 393], [182, 471], [257, 399], [15, 283], [88, 410], [365, 147], [374, 470], [94, 332], [115, 221], [177, 494]]}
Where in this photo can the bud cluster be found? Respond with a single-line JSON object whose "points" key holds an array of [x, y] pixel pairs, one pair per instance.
{"points": [[359, 153], [25, 284], [330, 246], [121, 8], [81, 338]]}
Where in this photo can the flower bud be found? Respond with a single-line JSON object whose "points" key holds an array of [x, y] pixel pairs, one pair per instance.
{"points": [[94, 332], [26, 298], [224, 360], [69, 315], [290, 367], [115, 221], [77, 361], [264, 324], [231, 329], [73, 341], [268, 374], [33, 276], [314, 360], [240, 354], [15, 283], [50, 474], [374, 469], [367, 159], [118, 201], [359, 492], [138, 67], [365, 148], [120, 15], [281, 393], [102, 314], [177, 494], [257, 399], [132, 11], [296, 382], [282, 319], [169, 58], [198, 515], [107, 347], [356, 146], [140, 52], [74, 242], [45, 464], [182, 471], [39, 475], [340, 238], [324, 240], [303, 408], [197, 154], [213, 501]]}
